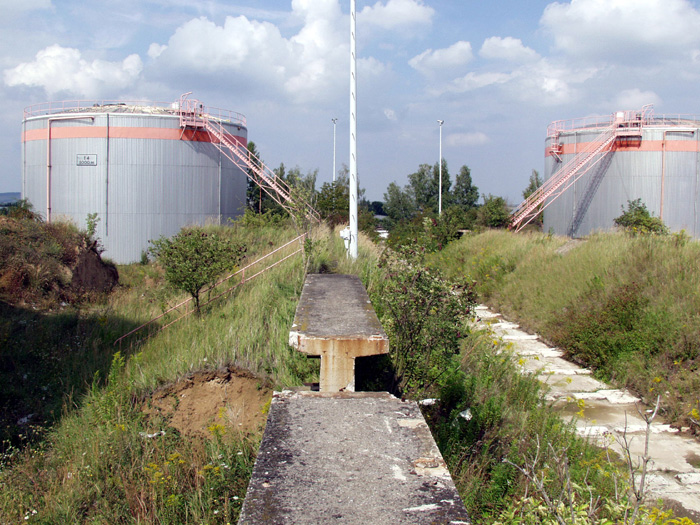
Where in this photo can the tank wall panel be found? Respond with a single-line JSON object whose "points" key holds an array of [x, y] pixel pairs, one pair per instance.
{"points": [[630, 173], [141, 188]]}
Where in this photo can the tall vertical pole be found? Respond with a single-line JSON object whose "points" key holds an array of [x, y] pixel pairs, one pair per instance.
{"points": [[440, 122], [334, 121], [352, 247]]}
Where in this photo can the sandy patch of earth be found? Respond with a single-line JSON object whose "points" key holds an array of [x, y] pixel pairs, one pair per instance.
{"points": [[230, 397]]}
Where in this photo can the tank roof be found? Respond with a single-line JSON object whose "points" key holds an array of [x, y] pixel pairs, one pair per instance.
{"points": [[644, 117], [128, 107]]}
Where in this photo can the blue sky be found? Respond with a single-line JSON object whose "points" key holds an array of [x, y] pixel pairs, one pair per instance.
{"points": [[497, 73]]}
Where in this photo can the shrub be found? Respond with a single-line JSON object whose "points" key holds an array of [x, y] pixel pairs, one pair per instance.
{"points": [[493, 213], [424, 316], [637, 219], [194, 258]]}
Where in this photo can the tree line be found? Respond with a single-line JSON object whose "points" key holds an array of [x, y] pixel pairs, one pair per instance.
{"points": [[409, 213]]}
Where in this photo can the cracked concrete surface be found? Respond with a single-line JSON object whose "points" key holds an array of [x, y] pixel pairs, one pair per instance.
{"points": [[349, 458], [607, 414]]}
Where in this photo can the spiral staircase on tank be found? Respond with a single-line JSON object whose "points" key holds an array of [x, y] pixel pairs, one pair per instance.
{"points": [[624, 125], [193, 116]]}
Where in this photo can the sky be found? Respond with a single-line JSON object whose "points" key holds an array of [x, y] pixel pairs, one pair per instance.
{"points": [[497, 73]]}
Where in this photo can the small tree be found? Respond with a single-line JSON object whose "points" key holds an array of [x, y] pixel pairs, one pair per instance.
{"points": [[533, 185], [637, 219], [194, 258], [465, 194], [494, 212], [424, 316]]}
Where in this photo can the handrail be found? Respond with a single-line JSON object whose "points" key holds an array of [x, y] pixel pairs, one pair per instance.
{"points": [[137, 106], [240, 271], [646, 114], [554, 183], [193, 115]]}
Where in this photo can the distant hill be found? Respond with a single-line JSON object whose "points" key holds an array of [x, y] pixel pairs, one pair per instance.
{"points": [[8, 198]]}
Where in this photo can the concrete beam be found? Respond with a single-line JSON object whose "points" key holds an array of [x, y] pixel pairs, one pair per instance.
{"points": [[336, 321]]}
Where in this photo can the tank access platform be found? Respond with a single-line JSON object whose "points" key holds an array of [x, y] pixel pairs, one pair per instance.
{"points": [[341, 456]]}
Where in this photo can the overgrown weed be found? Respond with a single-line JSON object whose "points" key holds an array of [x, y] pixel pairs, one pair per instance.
{"points": [[616, 302], [102, 459]]}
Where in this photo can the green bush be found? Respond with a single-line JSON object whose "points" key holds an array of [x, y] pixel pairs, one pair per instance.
{"points": [[194, 258], [637, 220], [424, 316]]}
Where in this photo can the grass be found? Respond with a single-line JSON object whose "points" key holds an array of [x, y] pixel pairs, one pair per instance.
{"points": [[89, 462], [625, 305], [92, 464]]}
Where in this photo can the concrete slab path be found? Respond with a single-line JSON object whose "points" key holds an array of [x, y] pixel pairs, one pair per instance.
{"points": [[349, 458], [674, 473]]}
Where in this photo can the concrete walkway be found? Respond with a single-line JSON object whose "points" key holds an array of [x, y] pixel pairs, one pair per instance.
{"points": [[352, 459], [603, 413]]}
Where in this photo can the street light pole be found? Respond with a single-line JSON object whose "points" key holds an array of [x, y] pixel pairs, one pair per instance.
{"points": [[440, 122], [334, 121]]}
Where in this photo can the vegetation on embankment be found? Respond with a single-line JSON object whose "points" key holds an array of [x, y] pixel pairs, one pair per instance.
{"points": [[513, 459], [107, 460], [102, 457], [626, 305]]}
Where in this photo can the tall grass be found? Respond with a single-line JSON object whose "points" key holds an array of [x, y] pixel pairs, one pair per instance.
{"points": [[96, 464], [626, 305]]}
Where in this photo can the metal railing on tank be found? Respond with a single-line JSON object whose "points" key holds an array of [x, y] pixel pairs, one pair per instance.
{"points": [[128, 106], [643, 116]]}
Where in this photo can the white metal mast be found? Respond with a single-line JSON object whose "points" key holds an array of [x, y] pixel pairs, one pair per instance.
{"points": [[352, 248]]}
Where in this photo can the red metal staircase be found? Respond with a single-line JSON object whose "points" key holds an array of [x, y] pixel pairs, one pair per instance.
{"points": [[193, 116], [623, 125]]}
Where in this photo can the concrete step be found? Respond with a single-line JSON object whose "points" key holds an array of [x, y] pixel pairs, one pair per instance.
{"points": [[607, 415]]}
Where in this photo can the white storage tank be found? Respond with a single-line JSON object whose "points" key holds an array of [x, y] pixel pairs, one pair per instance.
{"points": [[134, 165], [654, 158]]}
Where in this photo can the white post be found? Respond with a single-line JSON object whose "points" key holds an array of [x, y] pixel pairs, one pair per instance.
{"points": [[440, 122], [352, 249], [334, 121]]}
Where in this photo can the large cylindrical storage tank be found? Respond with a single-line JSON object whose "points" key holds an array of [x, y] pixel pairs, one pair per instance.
{"points": [[134, 166], [658, 162]]}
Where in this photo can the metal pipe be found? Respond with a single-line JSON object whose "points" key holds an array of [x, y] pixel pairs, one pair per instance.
{"points": [[663, 164], [107, 179], [440, 122], [334, 121]]}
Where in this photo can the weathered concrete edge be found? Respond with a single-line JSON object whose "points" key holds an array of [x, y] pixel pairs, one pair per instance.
{"points": [[430, 464], [309, 344]]}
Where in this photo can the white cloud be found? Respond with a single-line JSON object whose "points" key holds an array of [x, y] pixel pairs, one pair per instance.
{"points": [[635, 99], [508, 48], [14, 7], [396, 14], [155, 50], [466, 139], [450, 58], [623, 30], [544, 83], [202, 46], [58, 69], [307, 66], [390, 114], [472, 81]]}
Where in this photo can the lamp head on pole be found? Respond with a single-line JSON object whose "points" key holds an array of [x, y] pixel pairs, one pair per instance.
{"points": [[441, 122]]}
